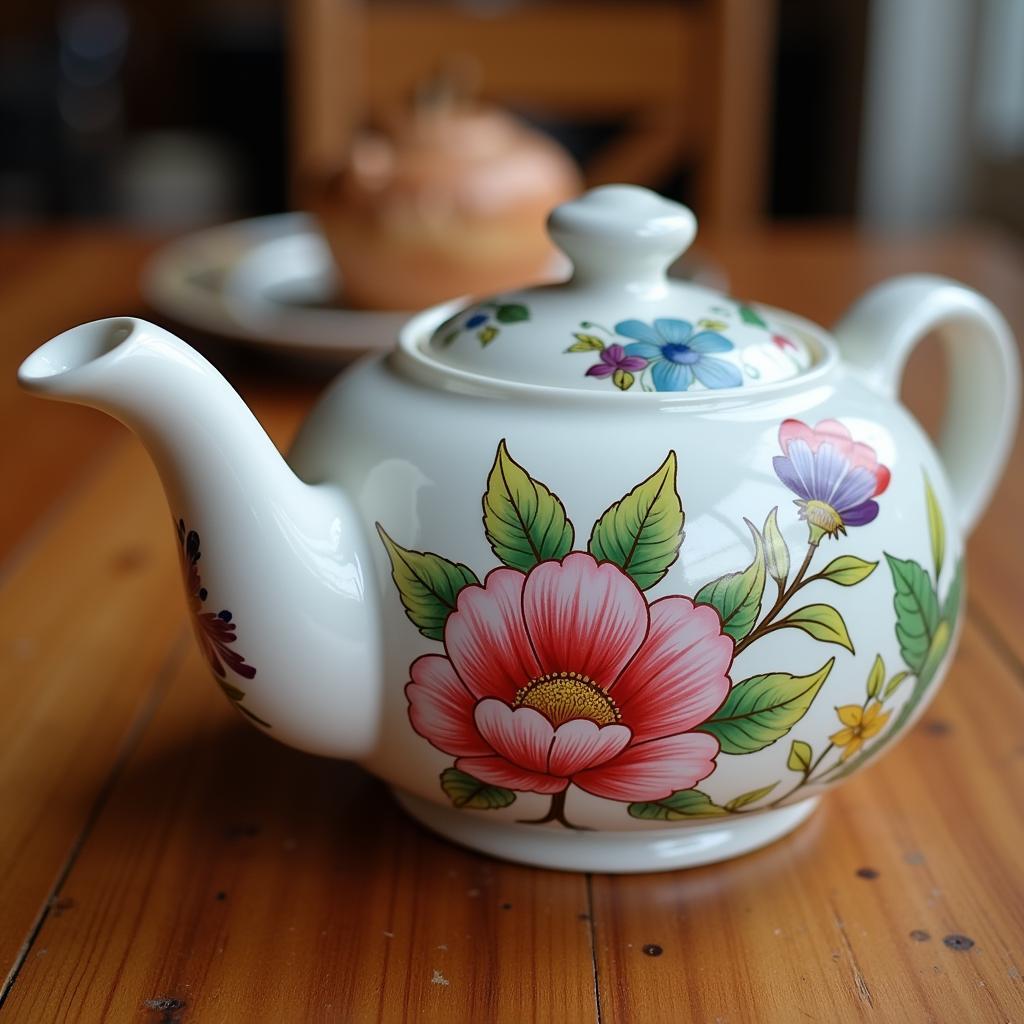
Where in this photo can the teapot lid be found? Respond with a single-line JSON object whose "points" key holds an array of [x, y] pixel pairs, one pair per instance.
{"points": [[619, 322]]}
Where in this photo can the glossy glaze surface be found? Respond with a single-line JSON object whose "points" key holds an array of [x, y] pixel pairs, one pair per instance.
{"points": [[432, 503], [619, 323], [517, 708]]}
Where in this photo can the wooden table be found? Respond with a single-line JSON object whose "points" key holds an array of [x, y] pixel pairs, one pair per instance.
{"points": [[161, 861]]}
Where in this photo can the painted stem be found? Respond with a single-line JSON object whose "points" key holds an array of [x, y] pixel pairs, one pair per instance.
{"points": [[589, 325], [803, 781], [765, 626], [808, 775], [556, 812]]}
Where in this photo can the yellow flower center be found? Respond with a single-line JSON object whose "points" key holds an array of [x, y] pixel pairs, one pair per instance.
{"points": [[563, 696], [822, 515]]}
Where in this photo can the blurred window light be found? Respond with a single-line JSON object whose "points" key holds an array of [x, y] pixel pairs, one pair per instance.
{"points": [[999, 101], [917, 111]]}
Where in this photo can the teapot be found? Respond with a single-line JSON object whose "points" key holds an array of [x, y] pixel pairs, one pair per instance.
{"points": [[614, 575], [451, 199]]}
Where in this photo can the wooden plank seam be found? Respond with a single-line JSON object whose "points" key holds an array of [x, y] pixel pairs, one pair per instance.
{"points": [[133, 736]]}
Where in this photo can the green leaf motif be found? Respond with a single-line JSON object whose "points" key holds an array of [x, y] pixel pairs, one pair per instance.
{"points": [[749, 315], [916, 606], [821, 621], [951, 605], [642, 532], [800, 757], [230, 691], [736, 596], [511, 313], [748, 798], [465, 791], [487, 334], [623, 379], [894, 684], [776, 553], [876, 676], [684, 803], [917, 611], [256, 718], [936, 527], [525, 523], [428, 585], [847, 570], [762, 709], [929, 651], [233, 693], [586, 343], [936, 650]]}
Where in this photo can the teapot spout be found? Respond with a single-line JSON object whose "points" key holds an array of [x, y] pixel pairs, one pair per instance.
{"points": [[277, 570]]}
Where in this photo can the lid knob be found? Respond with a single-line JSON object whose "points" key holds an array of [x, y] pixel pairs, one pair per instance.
{"points": [[621, 324], [624, 234]]}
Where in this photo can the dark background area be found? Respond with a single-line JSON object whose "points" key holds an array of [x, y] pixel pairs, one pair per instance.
{"points": [[176, 112], [98, 94]]}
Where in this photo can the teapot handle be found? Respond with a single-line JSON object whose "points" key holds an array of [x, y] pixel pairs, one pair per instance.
{"points": [[877, 336]]}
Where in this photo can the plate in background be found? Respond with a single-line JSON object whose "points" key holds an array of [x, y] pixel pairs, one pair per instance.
{"points": [[271, 281], [267, 281]]}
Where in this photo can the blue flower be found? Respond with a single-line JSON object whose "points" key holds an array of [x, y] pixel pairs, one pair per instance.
{"points": [[476, 320], [677, 355]]}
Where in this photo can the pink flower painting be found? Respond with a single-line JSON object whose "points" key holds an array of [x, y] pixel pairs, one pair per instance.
{"points": [[566, 675], [558, 674]]}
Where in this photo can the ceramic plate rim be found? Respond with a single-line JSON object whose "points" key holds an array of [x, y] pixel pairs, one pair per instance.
{"points": [[167, 283]]}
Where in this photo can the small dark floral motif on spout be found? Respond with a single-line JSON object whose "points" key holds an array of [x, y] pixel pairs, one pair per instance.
{"points": [[215, 631]]}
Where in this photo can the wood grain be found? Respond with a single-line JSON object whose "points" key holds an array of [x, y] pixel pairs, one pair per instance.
{"points": [[91, 621], [87, 621], [161, 861], [644, 54], [51, 282], [90, 615], [246, 881], [795, 932], [733, 184], [326, 71]]}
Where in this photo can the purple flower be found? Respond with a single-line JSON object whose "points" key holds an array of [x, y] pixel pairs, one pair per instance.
{"points": [[614, 358], [835, 477]]}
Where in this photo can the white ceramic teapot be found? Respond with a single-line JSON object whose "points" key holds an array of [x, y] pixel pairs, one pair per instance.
{"points": [[617, 575]]}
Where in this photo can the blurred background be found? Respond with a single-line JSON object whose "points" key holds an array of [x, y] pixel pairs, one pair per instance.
{"points": [[171, 114]]}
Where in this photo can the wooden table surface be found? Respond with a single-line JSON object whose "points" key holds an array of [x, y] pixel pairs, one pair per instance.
{"points": [[161, 861]]}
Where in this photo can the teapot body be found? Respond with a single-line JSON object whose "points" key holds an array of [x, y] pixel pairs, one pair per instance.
{"points": [[639, 619], [617, 575]]}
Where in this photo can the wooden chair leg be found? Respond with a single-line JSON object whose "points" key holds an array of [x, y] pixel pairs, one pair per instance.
{"points": [[733, 181], [326, 78]]}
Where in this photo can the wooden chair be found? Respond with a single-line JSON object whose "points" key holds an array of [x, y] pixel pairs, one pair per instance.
{"points": [[691, 81]]}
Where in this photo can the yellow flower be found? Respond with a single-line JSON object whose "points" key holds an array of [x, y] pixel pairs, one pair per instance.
{"points": [[860, 725]]}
